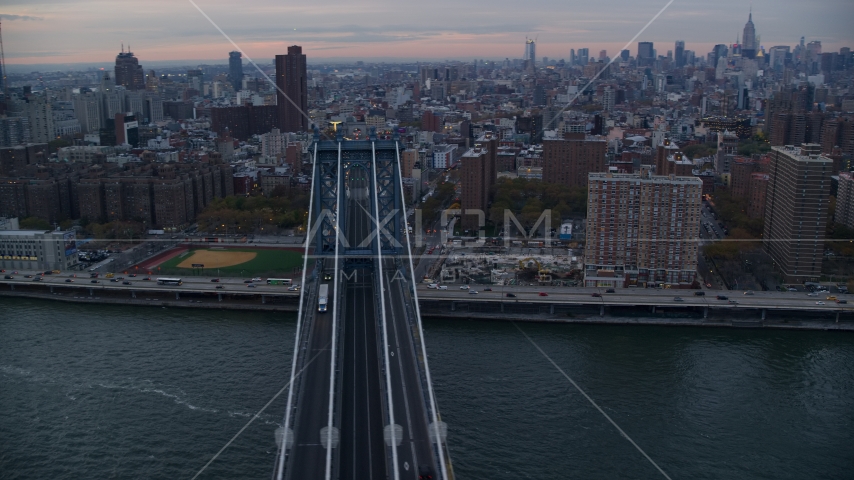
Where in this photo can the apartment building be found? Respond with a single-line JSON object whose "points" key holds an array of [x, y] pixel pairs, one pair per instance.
{"points": [[567, 161]]}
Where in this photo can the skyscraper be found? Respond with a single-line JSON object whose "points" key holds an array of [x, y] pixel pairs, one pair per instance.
{"points": [[291, 79], [531, 53], [477, 176], [583, 56], [235, 69], [748, 43], [679, 54], [796, 210], [129, 71], [624, 54], [645, 54]]}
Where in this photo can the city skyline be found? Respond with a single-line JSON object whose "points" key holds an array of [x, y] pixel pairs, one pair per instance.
{"points": [[38, 33]]}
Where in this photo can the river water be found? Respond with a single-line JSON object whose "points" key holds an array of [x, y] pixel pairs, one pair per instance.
{"points": [[95, 391]]}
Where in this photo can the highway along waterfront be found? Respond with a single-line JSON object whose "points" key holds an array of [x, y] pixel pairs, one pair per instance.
{"points": [[105, 391]]}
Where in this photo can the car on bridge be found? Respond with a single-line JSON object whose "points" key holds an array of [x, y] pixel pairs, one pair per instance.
{"points": [[37, 279], [472, 292], [219, 286], [126, 282], [96, 281], [433, 285], [443, 287], [247, 281], [597, 294], [425, 472], [842, 301], [464, 287], [723, 297], [749, 292], [544, 294], [28, 276], [819, 302], [251, 285], [610, 290], [215, 280], [700, 293], [69, 280], [677, 299], [733, 302], [293, 288], [511, 295], [487, 289]]}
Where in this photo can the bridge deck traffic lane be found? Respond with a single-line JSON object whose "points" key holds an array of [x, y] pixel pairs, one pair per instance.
{"points": [[307, 457], [408, 396], [362, 452]]}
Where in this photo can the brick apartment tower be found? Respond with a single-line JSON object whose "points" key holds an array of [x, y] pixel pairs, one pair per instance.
{"points": [[642, 229], [291, 79], [796, 210], [567, 161], [477, 176]]}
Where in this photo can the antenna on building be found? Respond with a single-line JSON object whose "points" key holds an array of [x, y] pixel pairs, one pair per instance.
{"points": [[123, 47]]}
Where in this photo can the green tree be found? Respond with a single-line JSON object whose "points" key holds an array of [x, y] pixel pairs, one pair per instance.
{"points": [[34, 223]]}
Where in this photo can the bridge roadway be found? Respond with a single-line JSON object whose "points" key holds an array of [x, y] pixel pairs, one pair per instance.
{"points": [[307, 457], [362, 452]]}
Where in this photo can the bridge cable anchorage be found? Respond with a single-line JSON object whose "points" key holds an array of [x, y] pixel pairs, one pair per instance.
{"points": [[334, 348], [434, 412], [256, 416], [303, 289], [383, 314], [591, 401]]}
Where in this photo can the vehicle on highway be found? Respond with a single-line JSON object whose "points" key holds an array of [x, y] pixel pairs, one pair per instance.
{"points": [[610, 290], [109, 275], [293, 288], [511, 295], [472, 292], [39, 279], [708, 285], [14, 272], [219, 286], [699, 294], [251, 285], [464, 287], [831, 297], [327, 276], [120, 278], [812, 294], [114, 280], [425, 472], [433, 285], [247, 281], [215, 280], [596, 295], [256, 279], [126, 282], [749, 292], [279, 281], [170, 281], [96, 281], [28, 276], [323, 298], [733, 302], [69, 280], [487, 289], [147, 279], [677, 299], [55, 272], [93, 275], [543, 294], [443, 287], [723, 297], [132, 275], [819, 302], [842, 301]]}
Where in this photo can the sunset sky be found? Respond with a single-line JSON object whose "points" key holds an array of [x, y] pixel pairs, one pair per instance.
{"points": [[92, 31]]}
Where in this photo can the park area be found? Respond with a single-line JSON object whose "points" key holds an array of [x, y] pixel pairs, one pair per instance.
{"points": [[232, 262]]}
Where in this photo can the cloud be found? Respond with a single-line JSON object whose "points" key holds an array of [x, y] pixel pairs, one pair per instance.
{"points": [[7, 16]]}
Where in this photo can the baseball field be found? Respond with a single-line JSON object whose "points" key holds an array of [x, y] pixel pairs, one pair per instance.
{"points": [[232, 262]]}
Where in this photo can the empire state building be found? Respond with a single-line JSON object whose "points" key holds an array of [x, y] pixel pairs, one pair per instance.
{"points": [[748, 46]]}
